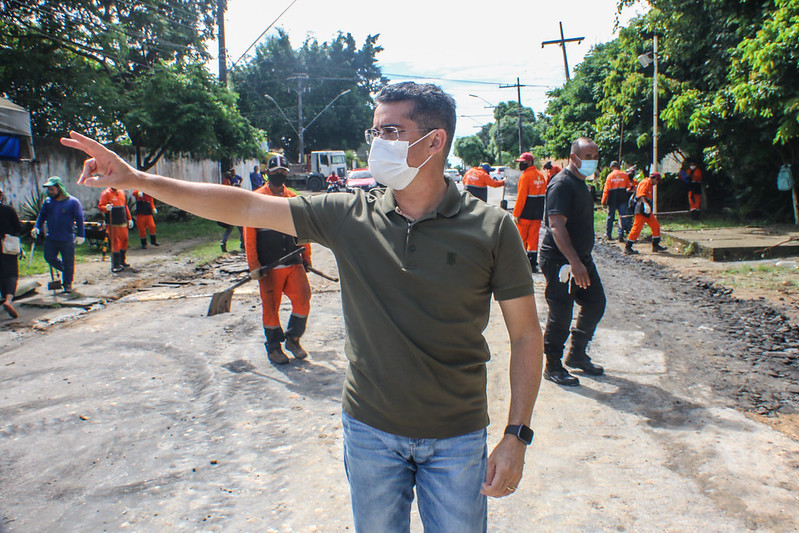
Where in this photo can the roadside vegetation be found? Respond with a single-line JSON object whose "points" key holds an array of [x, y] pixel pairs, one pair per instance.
{"points": [[202, 234]]}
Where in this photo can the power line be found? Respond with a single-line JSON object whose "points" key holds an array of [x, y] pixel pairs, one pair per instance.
{"points": [[478, 82], [262, 34]]}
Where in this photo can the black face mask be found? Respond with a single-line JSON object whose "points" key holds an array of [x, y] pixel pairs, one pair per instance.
{"points": [[277, 179]]}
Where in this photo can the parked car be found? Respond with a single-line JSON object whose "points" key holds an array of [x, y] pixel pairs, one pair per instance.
{"points": [[453, 174], [360, 178], [498, 173]]}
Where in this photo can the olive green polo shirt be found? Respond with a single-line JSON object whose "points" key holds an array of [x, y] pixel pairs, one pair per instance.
{"points": [[416, 299]]}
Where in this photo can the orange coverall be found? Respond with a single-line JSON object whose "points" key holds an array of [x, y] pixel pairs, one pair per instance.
{"points": [[117, 233], [695, 189], [644, 192], [529, 208], [144, 215], [290, 280], [553, 171], [476, 180]]}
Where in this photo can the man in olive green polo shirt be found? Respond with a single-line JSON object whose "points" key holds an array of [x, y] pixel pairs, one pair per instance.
{"points": [[419, 263]]}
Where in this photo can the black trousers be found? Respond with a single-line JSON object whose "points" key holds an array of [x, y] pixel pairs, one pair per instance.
{"points": [[9, 274], [561, 298]]}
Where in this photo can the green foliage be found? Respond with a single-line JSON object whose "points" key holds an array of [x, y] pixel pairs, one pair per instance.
{"points": [[472, 150], [129, 72], [728, 97], [32, 206], [318, 72]]}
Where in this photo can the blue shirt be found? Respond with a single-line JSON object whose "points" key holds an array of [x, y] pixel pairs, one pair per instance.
{"points": [[64, 219], [256, 180]]}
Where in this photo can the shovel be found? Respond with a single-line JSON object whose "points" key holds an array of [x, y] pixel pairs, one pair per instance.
{"points": [[55, 283], [220, 301]]}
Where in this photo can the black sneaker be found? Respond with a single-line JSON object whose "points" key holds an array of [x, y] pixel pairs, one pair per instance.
{"points": [[561, 376], [585, 365]]}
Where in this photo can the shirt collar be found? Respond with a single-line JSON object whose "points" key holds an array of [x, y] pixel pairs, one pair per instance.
{"points": [[448, 207]]}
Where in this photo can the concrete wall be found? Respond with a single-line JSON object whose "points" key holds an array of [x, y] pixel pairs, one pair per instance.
{"points": [[21, 180]]}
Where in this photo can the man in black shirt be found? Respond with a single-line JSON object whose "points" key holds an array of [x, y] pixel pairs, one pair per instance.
{"points": [[569, 269]]}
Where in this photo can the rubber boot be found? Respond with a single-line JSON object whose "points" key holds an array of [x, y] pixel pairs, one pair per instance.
{"points": [[116, 263], [274, 336], [533, 258], [122, 259], [628, 250], [153, 241], [656, 247], [294, 331], [143, 243]]}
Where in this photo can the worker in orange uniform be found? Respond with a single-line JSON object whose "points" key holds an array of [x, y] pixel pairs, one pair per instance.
{"points": [[529, 208], [615, 195], [118, 220], [477, 180], [263, 247], [644, 215], [693, 180], [552, 170], [145, 209]]}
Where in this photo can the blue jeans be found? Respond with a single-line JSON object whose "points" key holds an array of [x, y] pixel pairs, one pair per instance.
{"points": [[67, 262], [383, 469], [625, 221]]}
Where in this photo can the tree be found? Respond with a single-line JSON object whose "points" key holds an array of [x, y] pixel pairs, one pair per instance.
{"points": [[86, 64], [472, 150], [317, 72]]}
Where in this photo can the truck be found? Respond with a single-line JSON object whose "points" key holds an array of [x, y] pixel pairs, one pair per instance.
{"points": [[318, 165]]}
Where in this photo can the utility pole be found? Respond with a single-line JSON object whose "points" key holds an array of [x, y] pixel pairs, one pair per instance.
{"points": [[225, 162], [655, 120], [300, 129], [562, 43], [518, 87], [221, 6]]}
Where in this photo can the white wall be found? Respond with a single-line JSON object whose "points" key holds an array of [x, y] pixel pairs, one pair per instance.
{"points": [[20, 180]]}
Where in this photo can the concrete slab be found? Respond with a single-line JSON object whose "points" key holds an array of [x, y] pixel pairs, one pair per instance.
{"points": [[740, 243], [60, 300]]}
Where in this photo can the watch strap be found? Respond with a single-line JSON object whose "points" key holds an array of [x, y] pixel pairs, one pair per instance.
{"points": [[521, 432]]}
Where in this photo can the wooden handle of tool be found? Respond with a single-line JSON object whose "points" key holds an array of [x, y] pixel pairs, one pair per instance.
{"points": [[320, 273]]}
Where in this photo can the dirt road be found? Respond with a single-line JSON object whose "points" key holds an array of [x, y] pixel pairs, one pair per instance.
{"points": [[146, 415]]}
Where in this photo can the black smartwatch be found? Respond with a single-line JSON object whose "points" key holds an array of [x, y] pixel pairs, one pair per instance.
{"points": [[522, 432]]}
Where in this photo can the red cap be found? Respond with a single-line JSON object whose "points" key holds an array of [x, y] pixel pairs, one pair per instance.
{"points": [[526, 156], [655, 175]]}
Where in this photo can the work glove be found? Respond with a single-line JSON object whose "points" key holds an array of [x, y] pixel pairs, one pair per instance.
{"points": [[141, 194], [108, 207], [255, 274], [647, 209], [515, 220], [155, 211], [35, 233], [130, 224], [80, 240], [565, 273]]}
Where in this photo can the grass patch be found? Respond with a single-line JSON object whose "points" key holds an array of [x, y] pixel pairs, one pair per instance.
{"points": [[206, 232], [780, 275]]}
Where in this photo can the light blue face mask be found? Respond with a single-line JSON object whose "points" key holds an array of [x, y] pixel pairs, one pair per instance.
{"points": [[588, 166]]}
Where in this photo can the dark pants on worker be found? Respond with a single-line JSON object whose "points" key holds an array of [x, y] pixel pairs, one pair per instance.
{"points": [[9, 274], [561, 298], [66, 264], [625, 222]]}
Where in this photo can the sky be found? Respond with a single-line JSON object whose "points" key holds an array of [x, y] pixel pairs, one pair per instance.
{"points": [[465, 47]]}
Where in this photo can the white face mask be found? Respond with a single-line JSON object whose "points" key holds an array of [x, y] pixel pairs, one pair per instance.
{"points": [[388, 161]]}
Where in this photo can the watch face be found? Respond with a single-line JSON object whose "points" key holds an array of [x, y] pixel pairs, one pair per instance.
{"points": [[525, 434], [522, 432]]}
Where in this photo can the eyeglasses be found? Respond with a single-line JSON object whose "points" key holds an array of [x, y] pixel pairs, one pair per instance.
{"points": [[388, 133]]}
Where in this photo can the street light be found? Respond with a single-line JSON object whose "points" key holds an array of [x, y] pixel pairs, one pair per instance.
{"points": [[645, 61], [301, 132], [496, 130]]}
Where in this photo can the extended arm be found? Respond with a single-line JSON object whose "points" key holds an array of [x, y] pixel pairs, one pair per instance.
{"points": [[506, 462], [227, 204]]}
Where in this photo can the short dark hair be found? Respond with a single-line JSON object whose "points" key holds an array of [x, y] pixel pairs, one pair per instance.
{"points": [[432, 107], [579, 143]]}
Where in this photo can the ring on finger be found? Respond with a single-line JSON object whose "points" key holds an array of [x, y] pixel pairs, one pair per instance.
{"points": [[511, 489]]}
